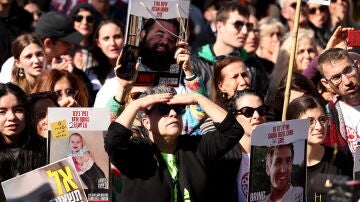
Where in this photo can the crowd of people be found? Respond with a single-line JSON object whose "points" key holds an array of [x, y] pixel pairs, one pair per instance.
{"points": [[191, 142]]}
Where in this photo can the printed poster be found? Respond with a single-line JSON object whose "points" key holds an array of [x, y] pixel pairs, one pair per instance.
{"points": [[278, 161], [154, 28], [323, 2], [79, 133], [54, 182]]}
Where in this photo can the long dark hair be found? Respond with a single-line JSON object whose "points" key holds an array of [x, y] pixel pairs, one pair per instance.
{"points": [[31, 147], [231, 106], [275, 94], [104, 67]]}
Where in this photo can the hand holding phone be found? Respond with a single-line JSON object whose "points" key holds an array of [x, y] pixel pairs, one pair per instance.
{"points": [[353, 38], [128, 60]]}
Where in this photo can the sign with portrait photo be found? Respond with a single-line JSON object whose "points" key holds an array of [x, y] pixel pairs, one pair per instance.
{"points": [[153, 30], [79, 133], [57, 181], [278, 161]]}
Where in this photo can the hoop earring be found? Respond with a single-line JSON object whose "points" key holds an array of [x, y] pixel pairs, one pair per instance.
{"points": [[21, 72]]}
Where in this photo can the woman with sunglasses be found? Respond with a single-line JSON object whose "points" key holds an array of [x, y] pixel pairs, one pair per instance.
{"points": [[320, 159], [70, 90], [319, 21], [21, 149], [85, 19], [115, 91], [249, 109], [168, 166]]}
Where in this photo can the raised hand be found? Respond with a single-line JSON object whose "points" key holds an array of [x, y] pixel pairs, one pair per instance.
{"points": [[182, 56]]}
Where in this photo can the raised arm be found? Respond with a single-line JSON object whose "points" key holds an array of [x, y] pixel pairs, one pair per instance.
{"points": [[215, 112], [127, 117], [338, 38]]}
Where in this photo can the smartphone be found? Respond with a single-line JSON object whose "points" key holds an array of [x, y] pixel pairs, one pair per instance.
{"points": [[353, 38], [59, 60], [128, 60]]}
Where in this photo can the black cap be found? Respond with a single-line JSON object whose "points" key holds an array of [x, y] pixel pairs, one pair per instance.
{"points": [[55, 25]]}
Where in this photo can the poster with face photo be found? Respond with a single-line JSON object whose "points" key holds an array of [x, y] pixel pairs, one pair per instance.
{"points": [[323, 2], [57, 181], [154, 27], [278, 161], [79, 133]]}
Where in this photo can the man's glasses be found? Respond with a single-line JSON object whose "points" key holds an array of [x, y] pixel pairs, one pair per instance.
{"points": [[239, 25], [70, 92], [79, 18], [248, 112], [164, 109], [322, 9], [322, 120], [221, 57], [337, 78], [293, 5]]}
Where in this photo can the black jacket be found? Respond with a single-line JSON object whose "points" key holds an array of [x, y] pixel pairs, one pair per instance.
{"points": [[146, 177]]}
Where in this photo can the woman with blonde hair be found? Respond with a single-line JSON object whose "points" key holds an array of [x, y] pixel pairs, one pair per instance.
{"points": [[29, 61]]}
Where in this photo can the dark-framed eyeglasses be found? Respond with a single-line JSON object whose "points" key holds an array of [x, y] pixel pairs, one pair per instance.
{"points": [[337, 78], [70, 92], [164, 109], [248, 112], [293, 5], [239, 25], [322, 9], [322, 120], [221, 57], [79, 18]]}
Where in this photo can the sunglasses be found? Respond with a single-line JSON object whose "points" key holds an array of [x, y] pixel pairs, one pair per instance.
{"points": [[248, 112], [135, 95], [70, 92], [221, 57], [164, 109], [293, 5], [79, 18], [334, 1], [322, 9], [239, 25]]}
